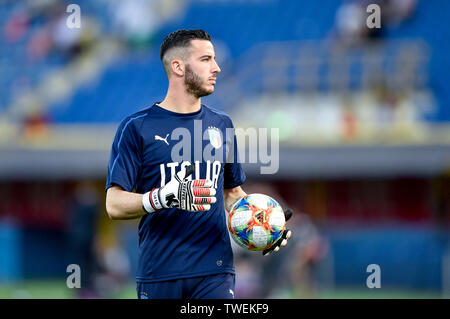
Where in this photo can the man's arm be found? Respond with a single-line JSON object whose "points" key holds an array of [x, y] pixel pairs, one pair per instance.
{"points": [[121, 204], [231, 196], [197, 195]]}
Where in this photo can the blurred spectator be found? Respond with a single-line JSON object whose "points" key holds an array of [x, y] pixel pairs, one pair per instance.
{"points": [[351, 19], [66, 40], [82, 227], [249, 281], [115, 273], [43, 8], [36, 126], [309, 249], [293, 272], [39, 45], [16, 27], [387, 103], [56, 36], [148, 16], [440, 204], [141, 27], [351, 23], [395, 12], [31, 12]]}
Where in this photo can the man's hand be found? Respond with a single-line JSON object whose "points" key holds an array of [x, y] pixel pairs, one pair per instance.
{"points": [[180, 193], [283, 241]]}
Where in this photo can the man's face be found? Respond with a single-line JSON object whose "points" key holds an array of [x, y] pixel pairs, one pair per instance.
{"points": [[201, 69]]}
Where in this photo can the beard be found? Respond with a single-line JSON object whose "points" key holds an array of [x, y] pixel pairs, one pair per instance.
{"points": [[194, 84]]}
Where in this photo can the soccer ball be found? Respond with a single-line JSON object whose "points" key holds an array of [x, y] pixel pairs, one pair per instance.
{"points": [[256, 222]]}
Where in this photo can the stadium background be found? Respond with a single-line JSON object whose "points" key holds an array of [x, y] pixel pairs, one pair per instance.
{"points": [[364, 139]]}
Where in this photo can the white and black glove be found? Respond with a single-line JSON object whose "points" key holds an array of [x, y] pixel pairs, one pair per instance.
{"points": [[197, 195], [283, 241]]}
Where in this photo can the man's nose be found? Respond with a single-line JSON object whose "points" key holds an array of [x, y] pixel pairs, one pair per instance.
{"points": [[216, 69]]}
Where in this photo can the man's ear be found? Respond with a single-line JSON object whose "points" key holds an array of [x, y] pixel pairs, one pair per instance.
{"points": [[178, 67]]}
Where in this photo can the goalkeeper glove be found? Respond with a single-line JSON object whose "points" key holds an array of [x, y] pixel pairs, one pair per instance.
{"points": [[197, 195], [283, 241]]}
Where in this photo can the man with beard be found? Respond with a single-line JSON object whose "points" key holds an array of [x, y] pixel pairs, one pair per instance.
{"points": [[184, 246]]}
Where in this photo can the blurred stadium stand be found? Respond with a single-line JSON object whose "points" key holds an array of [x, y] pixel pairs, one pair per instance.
{"points": [[284, 59], [364, 120]]}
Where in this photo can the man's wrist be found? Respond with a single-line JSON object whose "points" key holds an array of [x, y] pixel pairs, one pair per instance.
{"points": [[231, 205], [151, 202]]}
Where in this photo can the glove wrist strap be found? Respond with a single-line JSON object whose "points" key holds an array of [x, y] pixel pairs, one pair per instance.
{"points": [[151, 202]]}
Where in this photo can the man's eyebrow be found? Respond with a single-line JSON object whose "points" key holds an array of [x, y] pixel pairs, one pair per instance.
{"points": [[206, 56]]}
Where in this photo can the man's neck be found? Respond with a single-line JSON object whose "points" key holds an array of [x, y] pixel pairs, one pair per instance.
{"points": [[184, 103]]}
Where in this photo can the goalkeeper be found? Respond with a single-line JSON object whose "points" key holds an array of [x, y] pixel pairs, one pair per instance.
{"points": [[184, 246]]}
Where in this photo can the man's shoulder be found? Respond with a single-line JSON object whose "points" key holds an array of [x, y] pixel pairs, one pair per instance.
{"points": [[136, 117], [218, 113]]}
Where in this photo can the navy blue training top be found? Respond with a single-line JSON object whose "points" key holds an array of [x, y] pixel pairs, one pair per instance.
{"points": [[152, 145]]}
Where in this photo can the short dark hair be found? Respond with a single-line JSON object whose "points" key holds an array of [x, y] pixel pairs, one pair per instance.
{"points": [[182, 38]]}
